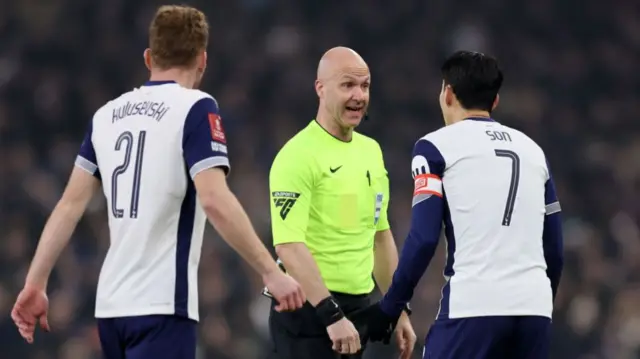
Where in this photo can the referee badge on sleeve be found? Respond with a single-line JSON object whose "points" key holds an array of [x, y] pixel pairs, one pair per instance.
{"points": [[284, 201], [376, 216]]}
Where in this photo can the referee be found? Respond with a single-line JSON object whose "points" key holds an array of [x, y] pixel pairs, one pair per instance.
{"points": [[329, 195]]}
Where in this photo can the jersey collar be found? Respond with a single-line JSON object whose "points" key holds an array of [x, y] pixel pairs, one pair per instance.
{"points": [[484, 119], [157, 83], [326, 133]]}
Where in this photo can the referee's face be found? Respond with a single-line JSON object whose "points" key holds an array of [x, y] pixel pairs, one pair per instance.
{"points": [[348, 97]]}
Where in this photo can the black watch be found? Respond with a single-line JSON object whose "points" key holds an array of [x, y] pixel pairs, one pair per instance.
{"points": [[407, 309]]}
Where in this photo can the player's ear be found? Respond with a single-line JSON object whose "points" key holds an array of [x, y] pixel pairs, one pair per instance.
{"points": [[202, 62], [449, 96], [495, 102], [147, 58], [319, 89]]}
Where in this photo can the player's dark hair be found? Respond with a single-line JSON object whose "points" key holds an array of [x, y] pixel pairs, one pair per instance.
{"points": [[177, 35], [474, 77]]}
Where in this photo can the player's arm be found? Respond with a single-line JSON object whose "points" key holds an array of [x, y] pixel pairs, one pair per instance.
{"points": [[552, 240], [205, 153], [290, 184], [385, 259], [227, 216], [426, 223], [82, 184]]}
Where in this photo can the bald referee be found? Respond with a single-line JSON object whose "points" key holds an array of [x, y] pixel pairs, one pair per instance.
{"points": [[329, 195]]}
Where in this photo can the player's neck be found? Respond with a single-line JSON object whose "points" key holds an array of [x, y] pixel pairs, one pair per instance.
{"points": [[463, 115], [181, 77], [333, 128]]}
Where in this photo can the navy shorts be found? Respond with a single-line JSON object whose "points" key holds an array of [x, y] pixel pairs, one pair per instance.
{"points": [[523, 337], [145, 337]]}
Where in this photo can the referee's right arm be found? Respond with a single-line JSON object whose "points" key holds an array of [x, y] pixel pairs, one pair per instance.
{"points": [[290, 184]]}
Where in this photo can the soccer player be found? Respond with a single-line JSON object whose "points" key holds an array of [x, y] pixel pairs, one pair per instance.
{"points": [[492, 188], [160, 154], [329, 196]]}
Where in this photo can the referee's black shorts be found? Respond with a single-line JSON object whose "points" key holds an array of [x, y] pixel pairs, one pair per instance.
{"points": [[301, 335]]}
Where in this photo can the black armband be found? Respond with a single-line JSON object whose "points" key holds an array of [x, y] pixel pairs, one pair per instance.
{"points": [[329, 311]]}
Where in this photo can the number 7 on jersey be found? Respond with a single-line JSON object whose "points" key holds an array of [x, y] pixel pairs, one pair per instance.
{"points": [[513, 185]]}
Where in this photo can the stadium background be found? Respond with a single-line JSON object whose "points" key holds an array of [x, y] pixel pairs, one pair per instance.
{"points": [[571, 83]]}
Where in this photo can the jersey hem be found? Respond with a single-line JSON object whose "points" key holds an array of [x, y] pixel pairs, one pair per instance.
{"points": [[138, 312], [505, 313]]}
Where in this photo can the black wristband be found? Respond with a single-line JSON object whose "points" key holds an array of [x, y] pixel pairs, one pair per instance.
{"points": [[329, 311], [407, 309]]}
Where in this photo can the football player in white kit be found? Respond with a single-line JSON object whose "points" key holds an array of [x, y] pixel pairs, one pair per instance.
{"points": [[492, 188], [159, 152]]}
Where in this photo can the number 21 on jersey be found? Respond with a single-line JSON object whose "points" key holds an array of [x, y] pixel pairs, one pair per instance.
{"points": [[125, 143]]}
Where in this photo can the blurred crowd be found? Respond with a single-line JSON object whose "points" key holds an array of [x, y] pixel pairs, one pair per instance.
{"points": [[572, 84]]}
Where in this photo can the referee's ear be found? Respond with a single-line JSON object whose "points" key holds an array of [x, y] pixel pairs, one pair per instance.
{"points": [[319, 87]]}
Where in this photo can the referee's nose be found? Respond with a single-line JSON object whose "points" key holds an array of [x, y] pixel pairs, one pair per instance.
{"points": [[358, 94]]}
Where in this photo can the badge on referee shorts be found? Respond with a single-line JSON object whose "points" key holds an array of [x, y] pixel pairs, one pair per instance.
{"points": [[376, 215]]}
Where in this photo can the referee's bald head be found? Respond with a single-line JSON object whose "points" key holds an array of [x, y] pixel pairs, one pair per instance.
{"points": [[338, 60], [342, 85]]}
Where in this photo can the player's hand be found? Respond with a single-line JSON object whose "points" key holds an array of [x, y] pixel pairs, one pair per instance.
{"points": [[286, 291], [405, 336], [344, 336], [377, 325], [30, 308]]}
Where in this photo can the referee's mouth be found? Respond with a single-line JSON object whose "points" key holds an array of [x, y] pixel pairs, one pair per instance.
{"points": [[355, 110]]}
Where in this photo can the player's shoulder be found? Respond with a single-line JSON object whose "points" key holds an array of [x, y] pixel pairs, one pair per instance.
{"points": [[110, 105], [435, 141], [522, 136], [446, 134], [195, 95]]}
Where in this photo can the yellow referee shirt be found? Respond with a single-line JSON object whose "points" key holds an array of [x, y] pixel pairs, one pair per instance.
{"points": [[331, 195]]}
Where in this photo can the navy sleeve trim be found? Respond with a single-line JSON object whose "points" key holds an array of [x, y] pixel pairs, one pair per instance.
{"points": [[552, 236], [86, 165], [204, 140], [427, 159], [211, 162], [87, 159]]}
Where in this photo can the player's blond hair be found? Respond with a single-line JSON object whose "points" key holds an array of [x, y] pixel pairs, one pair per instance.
{"points": [[177, 35]]}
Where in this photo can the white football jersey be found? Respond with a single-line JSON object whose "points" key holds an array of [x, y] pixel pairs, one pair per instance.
{"points": [[493, 183], [146, 146]]}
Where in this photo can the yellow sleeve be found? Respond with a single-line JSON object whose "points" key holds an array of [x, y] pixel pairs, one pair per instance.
{"points": [[290, 187], [383, 222]]}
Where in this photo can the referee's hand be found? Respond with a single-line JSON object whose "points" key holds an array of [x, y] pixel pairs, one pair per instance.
{"points": [[344, 336], [286, 291]]}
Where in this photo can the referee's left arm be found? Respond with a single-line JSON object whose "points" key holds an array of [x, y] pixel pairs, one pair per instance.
{"points": [[386, 252]]}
